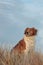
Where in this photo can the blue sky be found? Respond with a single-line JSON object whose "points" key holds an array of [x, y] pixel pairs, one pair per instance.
{"points": [[16, 15]]}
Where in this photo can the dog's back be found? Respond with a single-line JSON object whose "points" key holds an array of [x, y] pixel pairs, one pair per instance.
{"points": [[20, 47]]}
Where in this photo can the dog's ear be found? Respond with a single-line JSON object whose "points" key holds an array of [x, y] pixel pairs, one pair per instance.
{"points": [[35, 30], [26, 30]]}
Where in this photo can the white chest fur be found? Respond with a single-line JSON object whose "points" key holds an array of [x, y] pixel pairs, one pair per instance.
{"points": [[30, 43]]}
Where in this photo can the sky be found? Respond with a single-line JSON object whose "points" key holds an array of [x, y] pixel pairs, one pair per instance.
{"points": [[15, 16]]}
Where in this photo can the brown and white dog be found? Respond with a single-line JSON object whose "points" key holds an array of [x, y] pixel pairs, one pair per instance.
{"points": [[27, 43], [21, 52]]}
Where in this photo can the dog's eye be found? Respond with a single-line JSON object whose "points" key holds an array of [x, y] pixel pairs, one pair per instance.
{"points": [[28, 33]]}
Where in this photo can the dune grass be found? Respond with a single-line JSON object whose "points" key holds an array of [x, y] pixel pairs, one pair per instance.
{"points": [[6, 58]]}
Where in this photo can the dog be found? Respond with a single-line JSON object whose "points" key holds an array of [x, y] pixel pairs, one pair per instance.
{"points": [[27, 42], [26, 45]]}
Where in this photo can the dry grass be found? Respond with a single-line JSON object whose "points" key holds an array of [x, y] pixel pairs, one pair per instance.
{"points": [[6, 58]]}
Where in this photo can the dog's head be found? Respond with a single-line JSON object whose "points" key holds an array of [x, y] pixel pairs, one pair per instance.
{"points": [[30, 32]]}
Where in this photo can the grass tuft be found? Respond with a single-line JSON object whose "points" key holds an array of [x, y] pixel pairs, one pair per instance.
{"points": [[6, 59]]}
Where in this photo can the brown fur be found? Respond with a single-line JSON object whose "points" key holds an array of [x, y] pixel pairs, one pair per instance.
{"points": [[20, 47]]}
